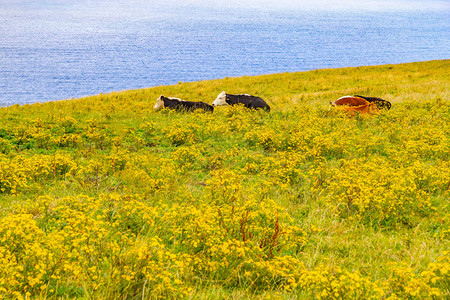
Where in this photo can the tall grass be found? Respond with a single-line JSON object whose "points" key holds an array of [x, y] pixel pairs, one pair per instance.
{"points": [[102, 197]]}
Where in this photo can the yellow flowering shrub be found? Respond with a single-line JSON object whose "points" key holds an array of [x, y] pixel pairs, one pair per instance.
{"points": [[97, 134], [21, 171], [375, 191], [13, 176], [69, 124], [77, 243], [180, 134], [118, 159], [25, 260], [265, 139], [405, 282], [43, 166], [287, 168], [189, 157], [5, 146], [336, 283], [68, 140]]}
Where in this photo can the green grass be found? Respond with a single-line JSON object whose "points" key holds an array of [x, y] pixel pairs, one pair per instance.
{"points": [[119, 201]]}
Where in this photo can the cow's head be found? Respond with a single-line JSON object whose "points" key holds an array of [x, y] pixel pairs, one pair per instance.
{"points": [[220, 100], [159, 103]]}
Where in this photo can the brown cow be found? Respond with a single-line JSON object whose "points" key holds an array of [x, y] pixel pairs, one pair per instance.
{"points": [[361, 100], [354, 104]]}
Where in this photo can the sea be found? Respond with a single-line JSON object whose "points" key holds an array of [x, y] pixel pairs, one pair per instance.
{"points": [[53, 50]]}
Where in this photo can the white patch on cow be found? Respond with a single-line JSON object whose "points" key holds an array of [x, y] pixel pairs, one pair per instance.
{"points": [[159, 103], [220, 100], [333, 103]]}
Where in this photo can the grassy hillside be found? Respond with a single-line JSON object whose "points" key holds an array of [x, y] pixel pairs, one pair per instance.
{"points": [[104, 198]]}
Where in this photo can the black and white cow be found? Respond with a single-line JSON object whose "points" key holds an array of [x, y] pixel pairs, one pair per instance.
{"points": [[248, 101], [178, 104], [380, 103]]}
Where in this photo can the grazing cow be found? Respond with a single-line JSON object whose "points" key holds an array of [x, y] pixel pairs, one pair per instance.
{"points": [[178, 104], [248, 101], [355, 104], [381, 103]]}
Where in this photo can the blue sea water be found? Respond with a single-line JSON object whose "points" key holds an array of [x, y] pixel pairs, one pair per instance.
{"points": [[51, 50]]}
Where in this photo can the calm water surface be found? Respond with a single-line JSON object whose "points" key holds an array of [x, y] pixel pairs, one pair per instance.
{"points": [[51, 51]]}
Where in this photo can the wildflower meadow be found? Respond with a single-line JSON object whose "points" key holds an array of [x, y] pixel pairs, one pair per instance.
{"points": [[104, 198]]}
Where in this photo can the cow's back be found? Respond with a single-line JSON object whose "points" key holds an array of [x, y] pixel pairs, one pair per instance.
{"points": [[191, 105], [202, 105], [381, 103], [249, 101]]}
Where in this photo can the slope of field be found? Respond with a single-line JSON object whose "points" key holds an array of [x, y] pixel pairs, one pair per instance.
{"points": [[104, 198]]}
